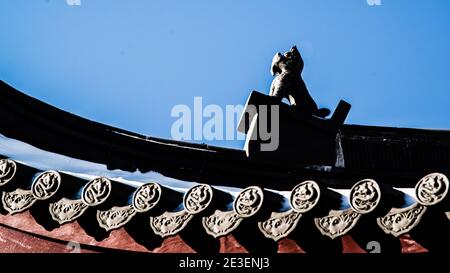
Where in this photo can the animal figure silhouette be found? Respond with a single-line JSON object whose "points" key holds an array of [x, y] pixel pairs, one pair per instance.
{"points": [[289, 84]]}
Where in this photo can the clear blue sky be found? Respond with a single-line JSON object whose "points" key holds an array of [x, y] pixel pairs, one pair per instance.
{"points": [[127, 63]]}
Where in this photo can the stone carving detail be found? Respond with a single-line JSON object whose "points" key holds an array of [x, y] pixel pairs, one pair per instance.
{"points": [[146, 197], [337, 223], [248, 201], [43, 187], [17, 201], [198, 198], [7, 170], [432, 189], [305, 196], [46, 185], [400, 221], [365, 196], [280, 224], [96, 191], [448, 215], [66, 210], [115, 217], [221, 223], [170, 223]]}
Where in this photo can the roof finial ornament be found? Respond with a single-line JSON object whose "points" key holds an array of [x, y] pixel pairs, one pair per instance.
{"points": [[289, 84]]}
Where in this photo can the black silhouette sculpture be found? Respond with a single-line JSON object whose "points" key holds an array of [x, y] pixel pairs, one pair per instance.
{"points": [[289, 84]]}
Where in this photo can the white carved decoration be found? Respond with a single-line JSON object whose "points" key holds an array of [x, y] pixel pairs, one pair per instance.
{"points": [[67, 210], [249, 201], [432, 189], [93, 194], [221, 223], [146, 197], [17, 201], [365, 196], [337, 223], [448, 215], [46, 185], [195, 200], [96, 191], [7, 170], [198, 198], [280, 224], [305, 196], [43, 187], [400, 221], [115, 217], [170, 223]]}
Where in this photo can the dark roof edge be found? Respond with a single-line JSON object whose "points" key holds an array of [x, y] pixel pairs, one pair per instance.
{"points": [[55, 130]]}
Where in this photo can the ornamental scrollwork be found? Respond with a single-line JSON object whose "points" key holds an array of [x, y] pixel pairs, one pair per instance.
{"points": [[305, 196], [7, 170], [365, 196], [45, 185], [146, 197], [17, 200], [432, 189], [249, 201], [221, 223], [198, 198], [96, 191], [115, 217], [67, 210], [337, 223], [280, 224], [400, 221], [170, 223]]}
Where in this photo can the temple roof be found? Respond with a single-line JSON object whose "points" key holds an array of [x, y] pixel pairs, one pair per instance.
{"points": [[69, 179]]}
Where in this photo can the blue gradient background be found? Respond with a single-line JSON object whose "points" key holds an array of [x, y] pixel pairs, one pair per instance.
{"points": [[127, 63]]}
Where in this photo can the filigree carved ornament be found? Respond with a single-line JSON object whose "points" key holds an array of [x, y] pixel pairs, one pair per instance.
{"points": [[280, 224], [44, 186], [400, 221], [144, 198], [305, 196], [198, 198], [365, 196], [94, 193], [337, 223], [170, 223], [432, 189], [7, 170]]}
